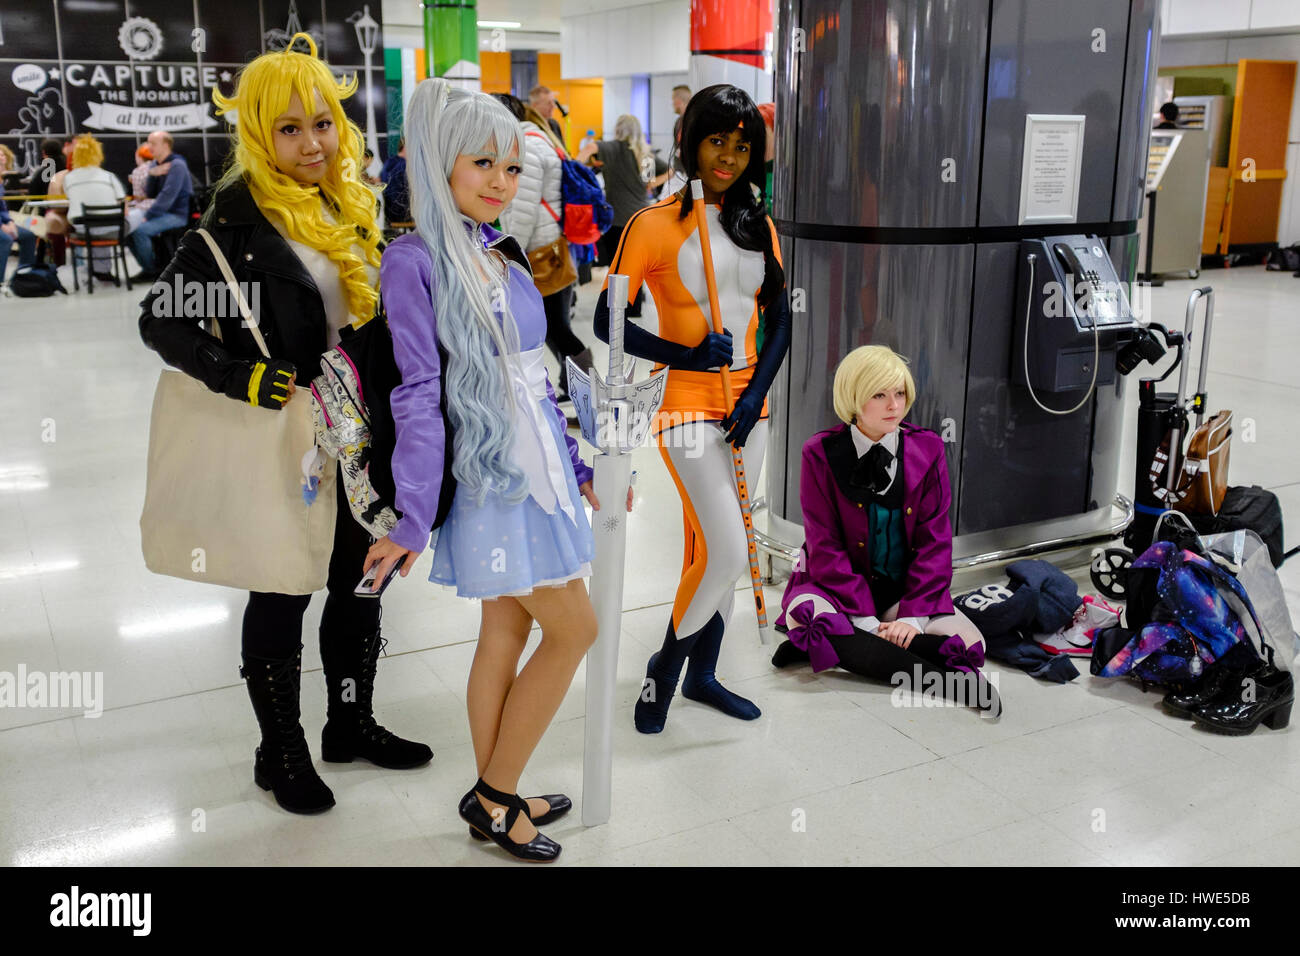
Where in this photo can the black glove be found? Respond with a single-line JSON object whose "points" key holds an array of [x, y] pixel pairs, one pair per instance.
{"points": [[268, 383], [743, 418], [713, 352]]}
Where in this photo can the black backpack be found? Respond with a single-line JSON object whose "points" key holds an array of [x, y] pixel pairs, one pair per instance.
{"points": [[1250, 507], [35, 282]]}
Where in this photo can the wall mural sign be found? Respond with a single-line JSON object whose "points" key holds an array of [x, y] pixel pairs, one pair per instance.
{"points": [[124, 68]]}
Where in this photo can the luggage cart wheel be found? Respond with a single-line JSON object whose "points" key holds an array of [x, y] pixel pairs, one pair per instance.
{"points": [[1107, 572]]}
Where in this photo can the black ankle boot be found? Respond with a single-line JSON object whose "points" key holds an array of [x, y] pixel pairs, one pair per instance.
{"points": [[1264, 695], [1183, 701], [282, 763], [351, 730]]}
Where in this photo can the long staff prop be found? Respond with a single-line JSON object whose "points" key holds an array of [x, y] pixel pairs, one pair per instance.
{"points": [[615, 416], [737, 459]]}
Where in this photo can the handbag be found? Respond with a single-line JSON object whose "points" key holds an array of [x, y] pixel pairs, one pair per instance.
{"points": [[1205, 468], [32, 218], [1201, 475], [552, 266], [223, 498]]}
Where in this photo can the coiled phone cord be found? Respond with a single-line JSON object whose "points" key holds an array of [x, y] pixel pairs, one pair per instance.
{"points": [[1096, 353]]}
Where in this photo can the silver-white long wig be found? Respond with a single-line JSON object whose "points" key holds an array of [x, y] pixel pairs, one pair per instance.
{"points": [[444, 122]]}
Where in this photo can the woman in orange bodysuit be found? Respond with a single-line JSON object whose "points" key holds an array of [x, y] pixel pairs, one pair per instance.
{"points": [[722, 144]]}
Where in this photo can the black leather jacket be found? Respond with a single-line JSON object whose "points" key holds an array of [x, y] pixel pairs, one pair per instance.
{"points": [[289, 310]]}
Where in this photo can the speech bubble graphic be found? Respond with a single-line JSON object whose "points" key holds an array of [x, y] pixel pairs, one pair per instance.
{"points": [[29, 77]]}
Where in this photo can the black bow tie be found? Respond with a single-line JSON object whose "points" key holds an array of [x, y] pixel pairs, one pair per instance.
{"points": [[872, 470]]}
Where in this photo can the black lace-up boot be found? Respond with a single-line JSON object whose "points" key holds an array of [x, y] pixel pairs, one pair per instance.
{"points": [[351, 730], [283, 763]]}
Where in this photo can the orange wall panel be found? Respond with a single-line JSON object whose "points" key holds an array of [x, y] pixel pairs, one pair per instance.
{"points": [[495, 71], [585, 100]]}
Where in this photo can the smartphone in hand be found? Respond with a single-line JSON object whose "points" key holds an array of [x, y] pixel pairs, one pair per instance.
{"points": [[363, 589]]}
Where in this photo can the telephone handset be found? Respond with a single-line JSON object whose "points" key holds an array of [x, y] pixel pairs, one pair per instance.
{"points": [[1069, 297]]}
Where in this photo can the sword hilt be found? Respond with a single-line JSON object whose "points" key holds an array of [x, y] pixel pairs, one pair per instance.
{"points": [[617, 300]]}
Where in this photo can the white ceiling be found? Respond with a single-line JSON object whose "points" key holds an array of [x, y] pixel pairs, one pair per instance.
{"points": [[534, 15]]}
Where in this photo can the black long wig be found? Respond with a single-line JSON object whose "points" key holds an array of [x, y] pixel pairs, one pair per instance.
{"points": [[718, 110]]}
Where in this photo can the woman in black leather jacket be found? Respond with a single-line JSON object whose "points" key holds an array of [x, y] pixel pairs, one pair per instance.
{"points": [[293, 223]]}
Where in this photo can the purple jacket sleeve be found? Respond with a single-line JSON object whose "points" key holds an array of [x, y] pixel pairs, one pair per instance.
{"points": [[581, 471], [929, 576], [829, 568], [406, 276]]}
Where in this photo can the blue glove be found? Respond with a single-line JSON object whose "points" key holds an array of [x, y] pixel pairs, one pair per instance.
{"points": [[743, 418], [714, 352]]}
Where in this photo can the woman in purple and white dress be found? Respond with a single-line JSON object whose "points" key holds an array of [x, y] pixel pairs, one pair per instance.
{"points": [[517, 535]]}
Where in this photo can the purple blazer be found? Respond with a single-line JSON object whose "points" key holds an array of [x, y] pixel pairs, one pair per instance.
{"points": [[829, 582], [406, 279]]}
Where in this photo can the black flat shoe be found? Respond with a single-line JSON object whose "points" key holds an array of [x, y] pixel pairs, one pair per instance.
{"points": [[560, 805], [540, 849], [1264, 696], [1183, 701], [108, 277]]}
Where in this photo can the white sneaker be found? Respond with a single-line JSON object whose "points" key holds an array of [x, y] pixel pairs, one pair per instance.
{"points": [[1076, 638]]}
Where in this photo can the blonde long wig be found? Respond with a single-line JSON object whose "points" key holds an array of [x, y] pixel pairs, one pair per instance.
{"points": [[262, 93]]}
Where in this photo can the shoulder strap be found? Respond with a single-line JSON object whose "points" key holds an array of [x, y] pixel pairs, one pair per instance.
{"points": [[224, 266], [564, 158]]}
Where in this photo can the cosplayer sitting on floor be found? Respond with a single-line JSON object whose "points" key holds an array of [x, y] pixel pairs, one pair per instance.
{"points": [[869, 591]]}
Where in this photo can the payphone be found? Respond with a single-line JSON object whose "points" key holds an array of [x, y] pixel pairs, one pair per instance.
{"points": [[1070, 307]]}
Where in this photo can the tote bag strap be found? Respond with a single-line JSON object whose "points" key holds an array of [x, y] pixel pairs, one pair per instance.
{"points": [[224, 266]]}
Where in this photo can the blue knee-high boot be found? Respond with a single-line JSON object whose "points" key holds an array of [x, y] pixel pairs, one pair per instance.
{"points": [[661, 677], [702, 685]]}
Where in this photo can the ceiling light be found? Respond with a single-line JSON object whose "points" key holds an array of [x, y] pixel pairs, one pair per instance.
{"points": [[503, 24]]}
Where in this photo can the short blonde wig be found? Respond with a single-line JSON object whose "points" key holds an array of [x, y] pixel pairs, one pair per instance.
{"points": [[87, 151], [866, 371]]}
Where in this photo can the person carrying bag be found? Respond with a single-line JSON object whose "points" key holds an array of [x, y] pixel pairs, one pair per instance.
{"points": [[292, 231]]}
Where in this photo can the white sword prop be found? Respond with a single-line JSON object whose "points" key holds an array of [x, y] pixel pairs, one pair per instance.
{"points": [[615, 417]]}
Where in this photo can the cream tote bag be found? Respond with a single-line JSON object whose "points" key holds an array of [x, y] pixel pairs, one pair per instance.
{"points": [[223, 500]]}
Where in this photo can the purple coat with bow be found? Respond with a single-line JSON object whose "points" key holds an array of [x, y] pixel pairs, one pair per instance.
{"points": [[829, 584]]}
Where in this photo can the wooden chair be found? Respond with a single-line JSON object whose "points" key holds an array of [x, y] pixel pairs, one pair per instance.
{"points": [[89, 233]]}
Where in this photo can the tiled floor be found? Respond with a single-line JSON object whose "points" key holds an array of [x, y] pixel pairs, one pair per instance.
{"points": [[1074, 774]]}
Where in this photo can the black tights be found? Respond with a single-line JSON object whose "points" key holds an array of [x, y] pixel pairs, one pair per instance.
{"points": [[273, 622], [559, 330], [868, 655]]}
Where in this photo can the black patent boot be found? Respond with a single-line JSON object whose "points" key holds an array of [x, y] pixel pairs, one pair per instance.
{"points": [[351, 730], [282, 763], [1264, 695], [1184, 700]]}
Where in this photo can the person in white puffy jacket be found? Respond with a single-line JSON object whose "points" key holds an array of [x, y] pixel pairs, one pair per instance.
{"points": [[534, 219]]}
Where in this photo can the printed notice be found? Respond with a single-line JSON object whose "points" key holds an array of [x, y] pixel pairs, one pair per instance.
{"points": [[1049, 174]]}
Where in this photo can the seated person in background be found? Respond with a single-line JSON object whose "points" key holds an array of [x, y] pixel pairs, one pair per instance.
{"points": [[170, 187], [10, 231], [870, 589], [89, 184], [140, 201], [397, 201], [56, 220]]}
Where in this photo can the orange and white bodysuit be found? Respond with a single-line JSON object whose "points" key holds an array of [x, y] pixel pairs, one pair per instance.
{"points": [[661, 249]]}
